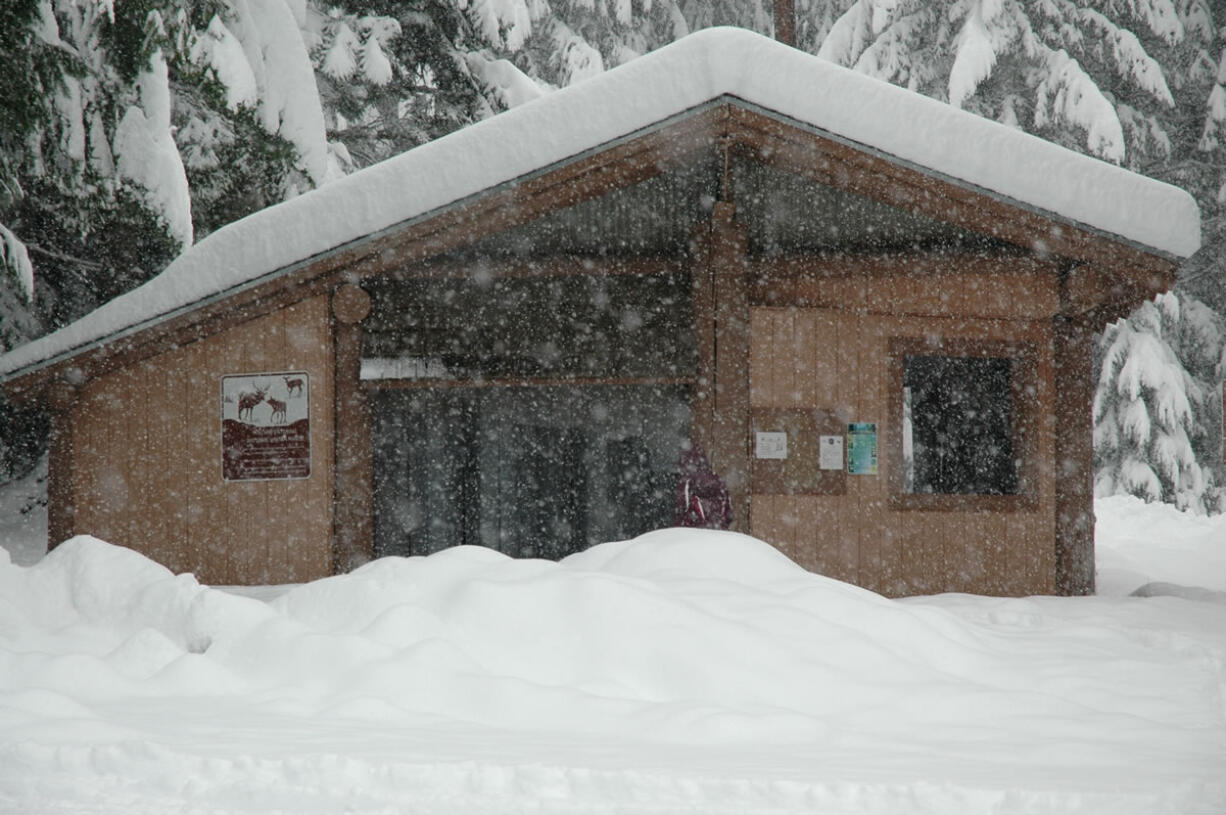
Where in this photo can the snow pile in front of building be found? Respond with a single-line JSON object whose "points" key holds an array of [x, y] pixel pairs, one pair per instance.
{"points": [[681, 671]]}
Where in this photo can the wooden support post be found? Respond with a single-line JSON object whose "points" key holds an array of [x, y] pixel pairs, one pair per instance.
{"points": [[703, 282], [1074, 450], [721, 314], [61, 399], [352, 521]]}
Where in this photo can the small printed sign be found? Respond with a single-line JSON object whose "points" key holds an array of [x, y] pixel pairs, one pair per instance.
{"points": [[862, 448], [771, 444], [830, 454], [265, 426]]}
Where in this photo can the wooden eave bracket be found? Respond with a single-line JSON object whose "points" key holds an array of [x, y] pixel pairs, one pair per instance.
{"points": [[1099, 295]]}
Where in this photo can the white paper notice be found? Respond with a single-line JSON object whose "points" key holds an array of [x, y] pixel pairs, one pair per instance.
{"points": [[771, 445], [831, 456]]}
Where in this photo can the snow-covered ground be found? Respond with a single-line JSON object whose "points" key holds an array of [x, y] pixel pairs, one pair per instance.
{"points": [[684, 671]]}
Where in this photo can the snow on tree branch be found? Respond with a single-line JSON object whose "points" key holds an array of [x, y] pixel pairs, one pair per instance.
{"points": [[15, 258], [1068, 95], [147, 154]]}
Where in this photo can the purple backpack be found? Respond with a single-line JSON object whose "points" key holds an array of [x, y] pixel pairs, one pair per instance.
{"points": [[702, 496]]}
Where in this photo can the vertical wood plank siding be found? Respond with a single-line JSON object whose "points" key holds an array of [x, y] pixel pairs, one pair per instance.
{"points": [[147, 440], [837, 358], [61, 469]]}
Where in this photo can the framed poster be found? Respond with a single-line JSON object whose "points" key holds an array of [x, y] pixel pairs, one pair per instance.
{"points": [[862, 448], [266, 426]]}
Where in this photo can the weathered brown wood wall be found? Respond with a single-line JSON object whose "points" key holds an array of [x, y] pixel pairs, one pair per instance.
{"points": [[820, 338], [147, 447]]}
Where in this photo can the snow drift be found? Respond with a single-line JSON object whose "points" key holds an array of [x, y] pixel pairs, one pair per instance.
{"points": [[682, 669]]}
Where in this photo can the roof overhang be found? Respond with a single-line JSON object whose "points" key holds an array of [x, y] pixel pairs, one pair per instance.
{"points": [[442, 195]]}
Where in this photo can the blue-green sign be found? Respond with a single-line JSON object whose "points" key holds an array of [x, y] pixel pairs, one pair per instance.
{"points": [[862, 448]]}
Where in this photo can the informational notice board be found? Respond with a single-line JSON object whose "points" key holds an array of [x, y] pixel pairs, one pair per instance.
{"points": [[862, 448], [266, 426]]}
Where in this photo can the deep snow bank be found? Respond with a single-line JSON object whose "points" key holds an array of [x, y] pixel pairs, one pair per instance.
{"points": [[680, 671], [1138, 543]]}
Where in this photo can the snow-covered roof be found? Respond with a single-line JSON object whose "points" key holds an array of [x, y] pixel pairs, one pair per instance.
{"points": [[705, 66]]}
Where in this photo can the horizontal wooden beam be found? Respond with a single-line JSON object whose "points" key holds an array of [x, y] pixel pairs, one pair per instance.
{"points": [[1003, 287], [556, 266], [524, 382]]}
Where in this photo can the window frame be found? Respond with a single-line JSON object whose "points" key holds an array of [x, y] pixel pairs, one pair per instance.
{"points": [[1025, 418]]}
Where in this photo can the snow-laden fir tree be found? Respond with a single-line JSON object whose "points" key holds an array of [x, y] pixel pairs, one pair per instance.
{"points": [[1085, 75], [1154, 419], [394, 75], [247, 116]]}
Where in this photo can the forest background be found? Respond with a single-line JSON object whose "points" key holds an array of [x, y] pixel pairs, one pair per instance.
{"points": [[131, 128]]}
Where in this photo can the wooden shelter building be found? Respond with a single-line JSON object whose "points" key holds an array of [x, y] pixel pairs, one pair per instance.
{"points": [[873, 312]]}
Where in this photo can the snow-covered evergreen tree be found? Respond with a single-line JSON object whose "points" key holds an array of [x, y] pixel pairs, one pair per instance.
{"points": [[1154, 419], [1086, 75], [247, 116]]}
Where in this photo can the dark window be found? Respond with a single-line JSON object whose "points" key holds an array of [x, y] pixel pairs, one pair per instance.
{"points": [[584, 326], [532, 472], [958, 425]]}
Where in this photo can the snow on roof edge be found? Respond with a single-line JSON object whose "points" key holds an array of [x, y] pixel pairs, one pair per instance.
{"points": [[696, 71], [7, 375], [986, 192]]}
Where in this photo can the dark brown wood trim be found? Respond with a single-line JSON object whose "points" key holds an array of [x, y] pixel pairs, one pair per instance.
{"points": [[730, 414], [61, 466], [353, 519], [702, 281], [1025, 424], [1074, 456], [909, 264], [1098, 295], [529, 382], [836, 281], [558, 266]]}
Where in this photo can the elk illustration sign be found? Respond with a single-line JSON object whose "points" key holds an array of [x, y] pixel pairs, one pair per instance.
{"points": [[265, 426]]}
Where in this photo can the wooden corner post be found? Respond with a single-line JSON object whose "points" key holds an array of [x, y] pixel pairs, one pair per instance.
{"points": [[1074, 450], [721, 318], [785, 21], [352, 522], [61, 399]]}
